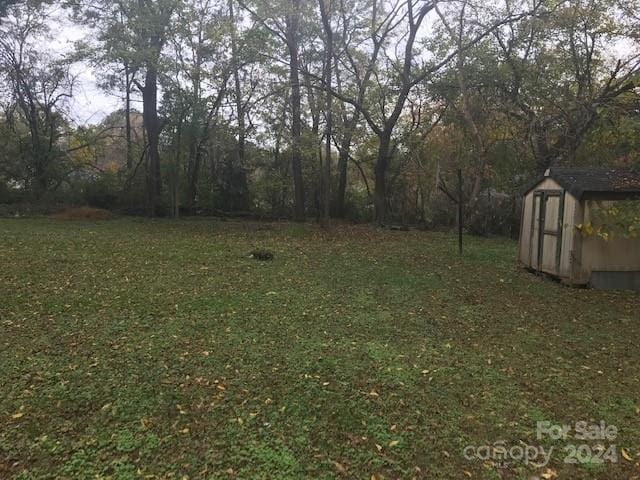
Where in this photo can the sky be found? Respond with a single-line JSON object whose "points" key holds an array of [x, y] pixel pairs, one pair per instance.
{"points": [[90, 104]]}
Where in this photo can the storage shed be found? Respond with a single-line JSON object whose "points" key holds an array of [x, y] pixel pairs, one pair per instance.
{"points": [[562, 232]]}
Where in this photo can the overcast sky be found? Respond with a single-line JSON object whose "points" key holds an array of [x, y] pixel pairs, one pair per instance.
{"points": [[90, 104]]}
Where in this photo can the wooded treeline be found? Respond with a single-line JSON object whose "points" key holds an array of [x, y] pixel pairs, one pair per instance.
{"points": [[360, 109]]}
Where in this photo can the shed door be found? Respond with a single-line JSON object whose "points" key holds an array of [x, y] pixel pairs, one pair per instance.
{"points": [[534, 241], [549, 217]]}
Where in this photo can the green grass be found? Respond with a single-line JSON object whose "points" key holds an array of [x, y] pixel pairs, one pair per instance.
{"points": [[139, 349]]}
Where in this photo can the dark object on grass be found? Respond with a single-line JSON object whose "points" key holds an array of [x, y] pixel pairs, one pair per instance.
{"points": [[261, 254]]}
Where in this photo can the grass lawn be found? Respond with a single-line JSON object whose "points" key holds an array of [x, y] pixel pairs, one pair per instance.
{"points": [[140, 349]]}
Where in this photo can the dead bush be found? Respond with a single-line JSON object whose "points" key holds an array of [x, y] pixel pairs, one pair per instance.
{"points": [[83, 213]]}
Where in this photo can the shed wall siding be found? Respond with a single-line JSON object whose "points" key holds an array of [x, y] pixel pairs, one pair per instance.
{"points": [[616, 255], [579, 275]]}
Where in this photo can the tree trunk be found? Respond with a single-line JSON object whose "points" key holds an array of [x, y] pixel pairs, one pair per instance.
{"points": [[195, 128], [175, 174], [326, 168], [213, 157], [541, 151], [343, 164], [382, 164], [127, 113], [241, 202], [238, 88], [293, 21], [348, 127], [193, 170], [152, 126], [192, 174]]}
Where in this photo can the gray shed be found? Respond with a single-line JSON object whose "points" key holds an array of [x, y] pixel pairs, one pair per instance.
{"points": [[556, 208]]}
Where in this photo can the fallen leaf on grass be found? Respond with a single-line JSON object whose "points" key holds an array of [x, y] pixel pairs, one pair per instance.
{"points": [[339, 468], [626, 455], [146, 423]]}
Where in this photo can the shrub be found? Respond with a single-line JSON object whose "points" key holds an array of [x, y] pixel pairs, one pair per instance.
{"points": [[499, 215], [102, 192]]}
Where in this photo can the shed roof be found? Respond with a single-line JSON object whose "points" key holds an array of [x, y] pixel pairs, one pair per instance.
{"points": [[595, 182]]}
